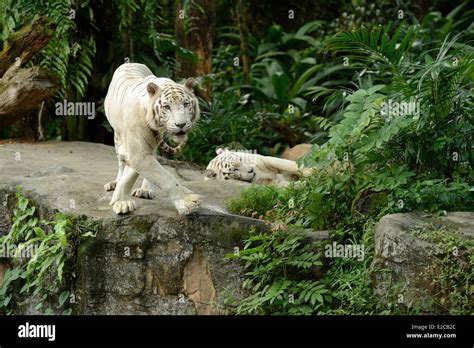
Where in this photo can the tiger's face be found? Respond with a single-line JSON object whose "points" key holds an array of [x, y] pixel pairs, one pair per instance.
{"points": [[229, 165], [173, 108]]}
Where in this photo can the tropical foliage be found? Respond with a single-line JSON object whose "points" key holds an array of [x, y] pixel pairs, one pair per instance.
{"points": [[44, 258], [403, 140], [383, 92]]}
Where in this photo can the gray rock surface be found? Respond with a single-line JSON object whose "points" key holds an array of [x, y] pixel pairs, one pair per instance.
{"points": [[151, 261], [406, 264]]}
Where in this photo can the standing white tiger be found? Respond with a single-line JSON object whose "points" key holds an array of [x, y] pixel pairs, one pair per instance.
{"points": [[142, 109]]}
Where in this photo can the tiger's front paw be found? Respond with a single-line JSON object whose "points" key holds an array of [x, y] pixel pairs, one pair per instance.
{"points": [[143, 193], [123, 207], [188, 204]]}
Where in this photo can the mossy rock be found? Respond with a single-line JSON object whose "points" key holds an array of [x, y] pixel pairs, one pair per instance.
{"points": [[368, 202]]}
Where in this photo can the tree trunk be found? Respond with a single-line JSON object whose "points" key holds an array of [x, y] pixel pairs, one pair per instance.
{"points": [[194, 30], [22, 45], [244, 47], [23, 90]]}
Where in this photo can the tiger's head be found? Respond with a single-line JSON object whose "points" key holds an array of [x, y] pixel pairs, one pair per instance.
{"points": [[230, 165], [173, 109]]}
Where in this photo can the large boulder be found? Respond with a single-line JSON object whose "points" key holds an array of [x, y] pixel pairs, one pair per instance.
{"points": [[408, 258], [151, 261]]}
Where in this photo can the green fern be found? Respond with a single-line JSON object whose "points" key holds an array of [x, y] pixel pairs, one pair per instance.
{"points": [[273, 263], [79, 74], [67, 54], [375, 44]]}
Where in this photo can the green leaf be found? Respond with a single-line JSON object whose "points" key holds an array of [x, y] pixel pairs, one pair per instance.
{"points": [[6, 301], [296, 89], [63, 297], [22, 204], [280, 82], [39, 232], [374, 89]]}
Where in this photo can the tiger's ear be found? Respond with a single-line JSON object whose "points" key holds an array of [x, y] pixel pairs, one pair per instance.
{"points": [[220, 150], [209, 173], [190, 83], [152, 89]]}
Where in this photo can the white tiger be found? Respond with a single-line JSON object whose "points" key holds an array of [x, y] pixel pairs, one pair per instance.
{"points": [[143, 109], [253, 168]]}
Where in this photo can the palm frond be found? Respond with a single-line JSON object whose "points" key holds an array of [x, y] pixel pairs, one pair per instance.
{"points": [[372, 45]]}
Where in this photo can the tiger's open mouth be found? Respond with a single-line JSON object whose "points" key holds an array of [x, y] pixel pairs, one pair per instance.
{"points": [[180, 134]]}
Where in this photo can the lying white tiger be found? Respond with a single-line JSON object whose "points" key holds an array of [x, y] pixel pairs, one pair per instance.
{"points": [[253, 168], [143, 109]]}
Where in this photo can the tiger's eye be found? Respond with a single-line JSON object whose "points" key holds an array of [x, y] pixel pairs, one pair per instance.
{"points": [[185, 104]]}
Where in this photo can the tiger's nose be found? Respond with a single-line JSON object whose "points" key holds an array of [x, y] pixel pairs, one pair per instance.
{"points": [[180, 125]]}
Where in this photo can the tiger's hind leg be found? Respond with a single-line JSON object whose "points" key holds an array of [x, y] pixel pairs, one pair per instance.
{"points": [[110, 186], [146, 191]]}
